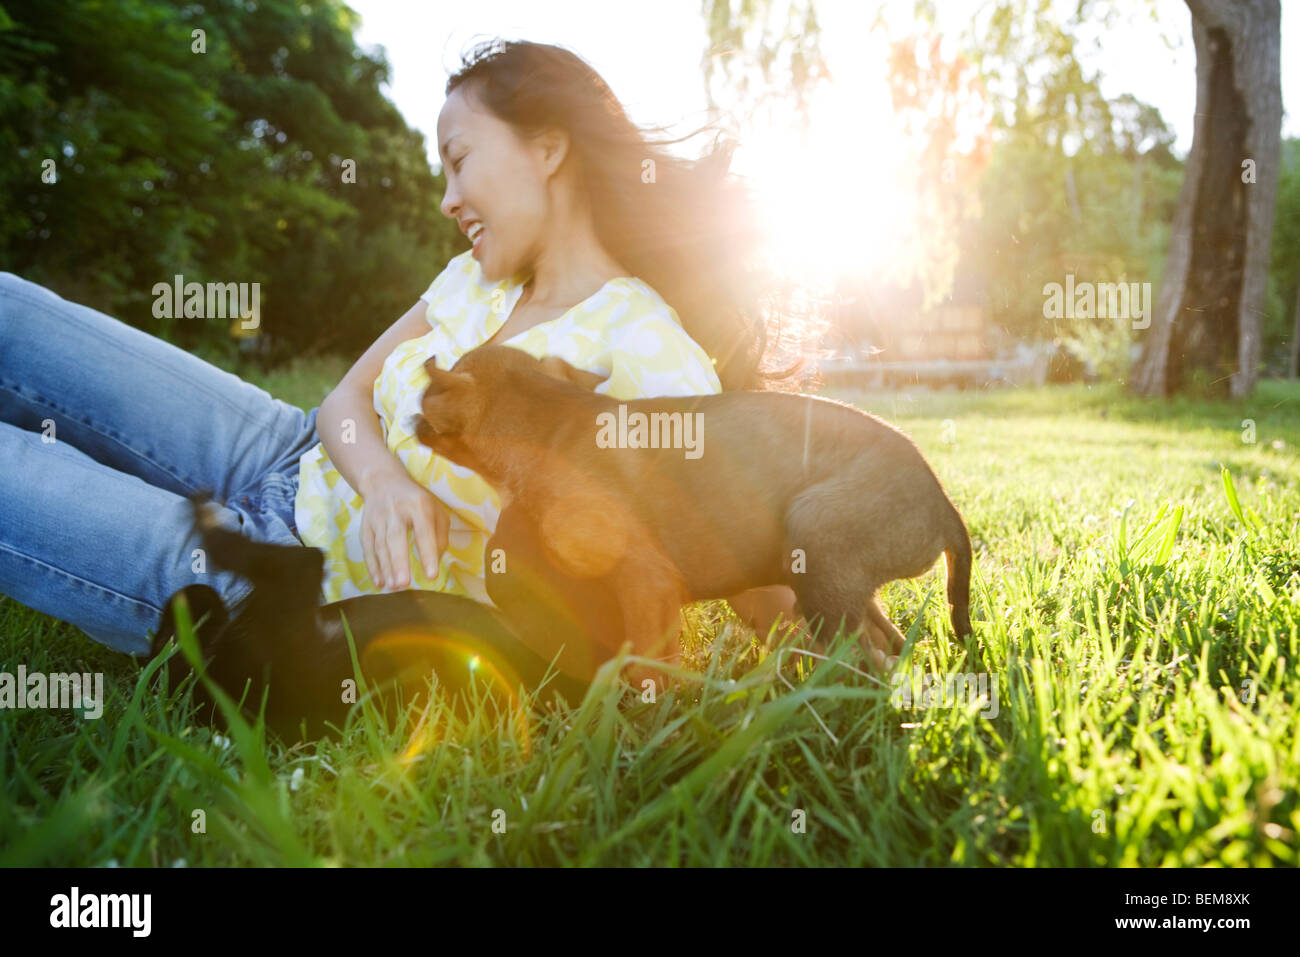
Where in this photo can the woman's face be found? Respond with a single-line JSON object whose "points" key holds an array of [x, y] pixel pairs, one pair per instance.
{"points": [[494, 179]]}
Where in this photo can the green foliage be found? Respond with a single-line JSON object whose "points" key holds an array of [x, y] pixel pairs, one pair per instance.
{"points": [[1284, 276], [1078, 184], [223, 166], [753, 60], [1101, 215]]}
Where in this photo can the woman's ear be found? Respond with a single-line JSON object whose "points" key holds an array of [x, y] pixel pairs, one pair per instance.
{"points": [[557, 368], [553, 147]]}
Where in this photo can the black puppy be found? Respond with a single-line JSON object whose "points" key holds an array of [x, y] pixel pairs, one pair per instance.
{"points": [[282, 641]]}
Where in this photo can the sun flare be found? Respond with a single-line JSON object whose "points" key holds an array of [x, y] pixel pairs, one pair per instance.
{"points": [[836, 200]]}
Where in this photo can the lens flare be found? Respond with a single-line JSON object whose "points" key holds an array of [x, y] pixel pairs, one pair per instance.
{"points": [[456, 661]]}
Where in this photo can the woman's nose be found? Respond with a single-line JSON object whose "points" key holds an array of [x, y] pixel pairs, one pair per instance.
{"points": [[450, 204]]}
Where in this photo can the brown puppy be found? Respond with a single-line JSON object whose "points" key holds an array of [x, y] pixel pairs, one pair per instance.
{"points": [[673, 500]]}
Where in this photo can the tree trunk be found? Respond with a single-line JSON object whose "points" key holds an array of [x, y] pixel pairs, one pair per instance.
{"points": [[1207, 319]]}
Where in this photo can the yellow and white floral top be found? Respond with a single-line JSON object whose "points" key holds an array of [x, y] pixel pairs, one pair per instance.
{"points": [[625, 331]]}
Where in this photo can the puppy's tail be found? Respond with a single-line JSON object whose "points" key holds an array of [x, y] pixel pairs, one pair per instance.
{"points": [[259, 561], [226, 549], [957, 557]]}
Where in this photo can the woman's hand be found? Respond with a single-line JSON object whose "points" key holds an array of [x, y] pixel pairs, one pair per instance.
{"points": [[392, 508]]}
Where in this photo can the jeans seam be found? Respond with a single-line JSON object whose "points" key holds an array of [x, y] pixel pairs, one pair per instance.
{"points": [[50, 310], [120, 442], [77, 578], [228, 602]]}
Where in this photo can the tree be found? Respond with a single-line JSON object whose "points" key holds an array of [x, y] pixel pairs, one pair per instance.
{"points": [[222, 141], [1206, 324], [751, 63]]}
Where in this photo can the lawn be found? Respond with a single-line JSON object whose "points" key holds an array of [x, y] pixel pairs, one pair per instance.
{"points": [[1135, 614]]}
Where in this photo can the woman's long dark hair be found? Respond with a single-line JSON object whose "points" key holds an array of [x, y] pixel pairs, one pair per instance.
{"points": [[687, 227]]}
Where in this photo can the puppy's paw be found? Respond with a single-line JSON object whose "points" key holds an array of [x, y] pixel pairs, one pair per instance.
{"points": [[880, 662]]}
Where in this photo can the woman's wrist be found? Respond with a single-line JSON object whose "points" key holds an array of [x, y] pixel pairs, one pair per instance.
{"points": [[387, 468]]}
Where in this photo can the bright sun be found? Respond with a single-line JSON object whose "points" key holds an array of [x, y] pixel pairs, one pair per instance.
{"points": [[836, 202]]}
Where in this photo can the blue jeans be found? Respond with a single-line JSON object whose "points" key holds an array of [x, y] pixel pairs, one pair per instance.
{"points": [[104, 430]]}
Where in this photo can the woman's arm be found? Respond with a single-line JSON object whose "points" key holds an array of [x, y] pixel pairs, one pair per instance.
{"points": [[361, 462], [394, 504]]}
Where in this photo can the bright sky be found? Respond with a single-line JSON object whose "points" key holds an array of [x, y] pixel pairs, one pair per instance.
{"points": [[650, 53], [834, 202]]}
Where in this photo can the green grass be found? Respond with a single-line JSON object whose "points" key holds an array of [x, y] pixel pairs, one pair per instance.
{"points": [[1143, 632]]}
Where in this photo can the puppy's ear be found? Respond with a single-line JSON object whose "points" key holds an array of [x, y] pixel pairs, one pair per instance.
{"points": [[437, 375], [447, 405], [442, 380], [557, 368]]}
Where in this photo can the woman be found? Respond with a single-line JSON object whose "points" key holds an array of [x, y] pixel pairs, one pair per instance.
{"points": [[584, 233]]}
